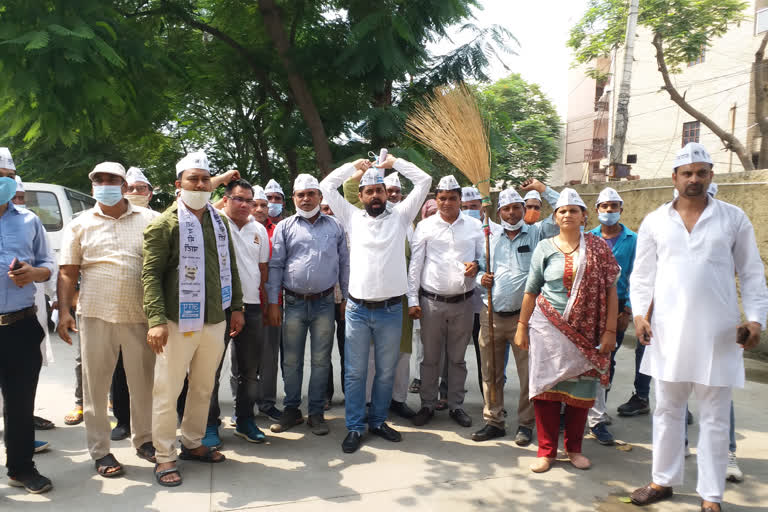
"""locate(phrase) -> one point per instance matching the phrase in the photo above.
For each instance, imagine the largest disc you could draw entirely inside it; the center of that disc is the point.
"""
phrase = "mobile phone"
(15, 264)
(742, 335)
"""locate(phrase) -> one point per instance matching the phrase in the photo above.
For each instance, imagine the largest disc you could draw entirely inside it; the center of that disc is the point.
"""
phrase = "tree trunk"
(381, 99)
(292, 161)
(761, 97)
(731, 142)
(276, 32)
(622, 108)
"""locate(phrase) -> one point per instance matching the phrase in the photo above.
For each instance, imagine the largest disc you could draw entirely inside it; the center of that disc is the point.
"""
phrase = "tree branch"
(731, 142)
(761, 98)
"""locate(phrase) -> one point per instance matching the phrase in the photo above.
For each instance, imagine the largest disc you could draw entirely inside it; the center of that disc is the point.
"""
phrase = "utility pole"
(733, 128)
(622, 107)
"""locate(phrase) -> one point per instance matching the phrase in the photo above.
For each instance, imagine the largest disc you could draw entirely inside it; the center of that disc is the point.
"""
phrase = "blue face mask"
(581, 229)
(475, 214)
(608, 218)
(274, 209)
(108, 195)
(7, 189)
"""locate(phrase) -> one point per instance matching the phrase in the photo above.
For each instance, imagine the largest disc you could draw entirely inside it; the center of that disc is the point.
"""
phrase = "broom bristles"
(450, 123)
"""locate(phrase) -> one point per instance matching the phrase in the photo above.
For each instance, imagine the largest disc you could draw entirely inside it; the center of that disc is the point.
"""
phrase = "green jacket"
(160, 275)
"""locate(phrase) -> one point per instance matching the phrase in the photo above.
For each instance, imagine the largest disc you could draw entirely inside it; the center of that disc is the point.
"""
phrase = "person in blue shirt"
(622, 241)
(25, 260)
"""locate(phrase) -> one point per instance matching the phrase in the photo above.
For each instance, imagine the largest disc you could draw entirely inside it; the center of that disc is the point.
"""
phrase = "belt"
(15, 316)
(378, 303)
(252, 307)
(507, 313)
(452, 299)
(309, 296)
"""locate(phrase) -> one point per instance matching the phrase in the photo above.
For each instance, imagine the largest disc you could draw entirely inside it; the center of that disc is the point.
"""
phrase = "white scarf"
(192, 267)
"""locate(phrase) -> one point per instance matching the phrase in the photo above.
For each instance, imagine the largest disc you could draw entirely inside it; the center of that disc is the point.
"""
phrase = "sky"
(542, 31)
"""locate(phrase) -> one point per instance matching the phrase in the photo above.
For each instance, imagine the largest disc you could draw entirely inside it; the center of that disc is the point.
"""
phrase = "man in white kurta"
(687, 254)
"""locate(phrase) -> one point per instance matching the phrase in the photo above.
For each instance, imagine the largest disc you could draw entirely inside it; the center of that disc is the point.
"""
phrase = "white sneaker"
(733, 473)
(687, 451)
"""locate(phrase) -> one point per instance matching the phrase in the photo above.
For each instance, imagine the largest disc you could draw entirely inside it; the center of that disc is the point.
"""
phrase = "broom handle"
(492, 387)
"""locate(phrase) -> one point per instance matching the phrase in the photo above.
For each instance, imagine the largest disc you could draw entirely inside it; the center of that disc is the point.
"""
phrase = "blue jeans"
(384, 327)
(642, 381)
(317, 317)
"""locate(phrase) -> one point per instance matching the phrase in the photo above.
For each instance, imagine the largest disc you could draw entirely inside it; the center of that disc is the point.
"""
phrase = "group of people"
(161, 295)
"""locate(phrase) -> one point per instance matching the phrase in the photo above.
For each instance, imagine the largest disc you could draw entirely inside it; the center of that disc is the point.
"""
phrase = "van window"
(79, 202)
(46, 206)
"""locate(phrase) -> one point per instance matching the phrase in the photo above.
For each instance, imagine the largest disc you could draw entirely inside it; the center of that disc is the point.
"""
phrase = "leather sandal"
(648, 495)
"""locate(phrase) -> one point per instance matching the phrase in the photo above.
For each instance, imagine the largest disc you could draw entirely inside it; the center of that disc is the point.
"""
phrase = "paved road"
(435, 468)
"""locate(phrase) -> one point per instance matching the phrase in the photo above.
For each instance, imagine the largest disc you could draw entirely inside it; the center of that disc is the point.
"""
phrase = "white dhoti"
(714, 404)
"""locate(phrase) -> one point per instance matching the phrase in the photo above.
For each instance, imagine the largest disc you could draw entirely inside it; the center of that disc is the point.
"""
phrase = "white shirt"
(438, 253)
(251, 248)
(377, 259)
(690, 279)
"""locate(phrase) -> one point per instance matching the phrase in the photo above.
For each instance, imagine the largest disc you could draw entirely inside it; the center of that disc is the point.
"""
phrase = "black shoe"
(689, 417)
(273, 412)
(290, 418)
(34, 483)
(386, 432)
(352, 442)
(120, 432)
(402, 409)
(422, 417)
(524, 436)
(488, 432)
(460, 417)
(634, 406)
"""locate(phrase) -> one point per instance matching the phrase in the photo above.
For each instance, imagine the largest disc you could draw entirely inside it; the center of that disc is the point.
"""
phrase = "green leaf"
(38, 40)
(106, 26)
(107, 52)
(33, 132)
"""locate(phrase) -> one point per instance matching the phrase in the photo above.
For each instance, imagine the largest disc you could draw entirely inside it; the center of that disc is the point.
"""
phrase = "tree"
(524, 129)
(681, 30)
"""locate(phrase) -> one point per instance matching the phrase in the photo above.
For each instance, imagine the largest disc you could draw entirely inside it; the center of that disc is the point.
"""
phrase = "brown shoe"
(648, 495)
(710, 508)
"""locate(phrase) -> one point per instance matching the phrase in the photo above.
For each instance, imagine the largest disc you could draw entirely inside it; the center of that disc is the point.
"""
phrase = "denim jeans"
(384, 326)
(317, 317)
(642, 381)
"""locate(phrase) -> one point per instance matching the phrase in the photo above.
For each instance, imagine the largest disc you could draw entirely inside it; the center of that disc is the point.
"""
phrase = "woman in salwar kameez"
(566, 321)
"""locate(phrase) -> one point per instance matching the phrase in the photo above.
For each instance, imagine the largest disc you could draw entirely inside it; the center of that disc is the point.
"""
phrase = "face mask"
(138, 200)
(532, 216)
(581, 229)
(512, 227)
(608, 218)
(475, 214)
(308, 215)
(195, 199)
(274, 209)
(108, 195)
(7, 190)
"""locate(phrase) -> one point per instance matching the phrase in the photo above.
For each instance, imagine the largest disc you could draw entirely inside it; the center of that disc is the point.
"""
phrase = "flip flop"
(42, 423)
(186, 454)
(75, 417)
(106, 463)
(146, 452)
(160, 474)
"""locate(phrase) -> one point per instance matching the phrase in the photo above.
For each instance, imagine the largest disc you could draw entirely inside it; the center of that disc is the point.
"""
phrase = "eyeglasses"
(106, 179)
(141, 189)
(241, 200)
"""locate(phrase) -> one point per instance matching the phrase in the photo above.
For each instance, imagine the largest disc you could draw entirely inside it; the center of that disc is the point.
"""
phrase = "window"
(691, 132)
(699, 59)
(46, 206)
(79, 202)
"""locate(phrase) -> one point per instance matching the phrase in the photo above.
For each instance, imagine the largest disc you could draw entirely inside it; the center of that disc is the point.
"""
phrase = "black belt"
(378, 303)
(507, 313)
(452, 299)
(15, 316)
(309, 296)
(252, 307)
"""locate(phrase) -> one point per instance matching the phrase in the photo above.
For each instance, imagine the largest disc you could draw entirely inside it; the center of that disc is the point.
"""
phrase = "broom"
(450, 123)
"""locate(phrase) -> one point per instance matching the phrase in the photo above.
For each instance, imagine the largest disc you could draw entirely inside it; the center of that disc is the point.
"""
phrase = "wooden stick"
(492, 387)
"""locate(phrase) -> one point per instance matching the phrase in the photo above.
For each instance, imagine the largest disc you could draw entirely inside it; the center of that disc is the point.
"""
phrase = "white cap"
(196, 160)
(711, 190)
(608, 194)
(470, 194)
(19, 184)
(532, 194)
(691, 153)
(448, 183)
(509, 196)
(373, 176)
(135, 175)
(273, 186)
(393, 180)
(258, 193)
(568, 197)
(323, 202)
(305, 182)
(108, 168)
(6, 161)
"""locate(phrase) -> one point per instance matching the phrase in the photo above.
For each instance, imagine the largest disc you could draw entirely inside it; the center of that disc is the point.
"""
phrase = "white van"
(56, 206)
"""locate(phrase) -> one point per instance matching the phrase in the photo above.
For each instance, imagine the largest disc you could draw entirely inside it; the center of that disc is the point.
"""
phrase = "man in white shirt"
(687, 254)
(444, 261)
(377, 283)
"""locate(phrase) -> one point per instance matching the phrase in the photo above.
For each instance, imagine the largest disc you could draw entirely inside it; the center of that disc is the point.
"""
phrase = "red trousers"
(548, 427)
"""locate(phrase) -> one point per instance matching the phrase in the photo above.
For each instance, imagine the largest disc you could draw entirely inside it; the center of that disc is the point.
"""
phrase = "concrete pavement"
(437, 467)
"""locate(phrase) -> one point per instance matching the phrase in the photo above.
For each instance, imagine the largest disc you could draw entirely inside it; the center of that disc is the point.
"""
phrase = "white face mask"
(512, 227)
(311, 213)
(195, 199)
(138, 200)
